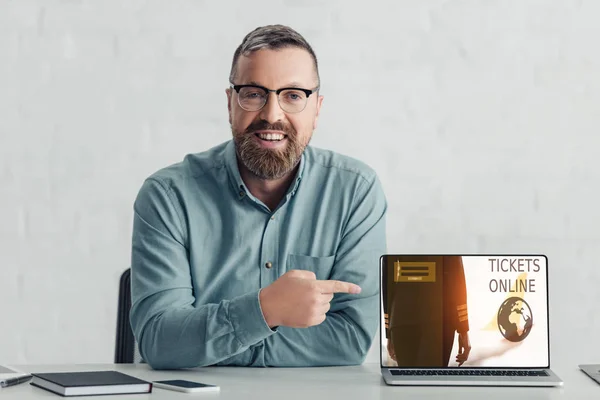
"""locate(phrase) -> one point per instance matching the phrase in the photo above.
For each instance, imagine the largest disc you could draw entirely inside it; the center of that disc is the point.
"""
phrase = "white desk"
(360, 382)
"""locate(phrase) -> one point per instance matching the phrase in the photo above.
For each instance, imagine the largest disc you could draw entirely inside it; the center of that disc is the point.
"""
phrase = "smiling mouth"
(271, 137)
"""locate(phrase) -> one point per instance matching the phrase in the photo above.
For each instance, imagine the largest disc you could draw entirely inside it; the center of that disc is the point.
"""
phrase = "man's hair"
(272, 37)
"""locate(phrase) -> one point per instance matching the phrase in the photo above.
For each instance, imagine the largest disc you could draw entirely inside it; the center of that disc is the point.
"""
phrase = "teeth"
(270, 136)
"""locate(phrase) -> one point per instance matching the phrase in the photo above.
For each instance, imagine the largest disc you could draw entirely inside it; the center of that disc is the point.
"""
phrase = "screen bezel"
(383, 264)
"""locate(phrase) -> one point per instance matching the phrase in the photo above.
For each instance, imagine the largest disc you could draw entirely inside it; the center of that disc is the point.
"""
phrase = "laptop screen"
(464, 311)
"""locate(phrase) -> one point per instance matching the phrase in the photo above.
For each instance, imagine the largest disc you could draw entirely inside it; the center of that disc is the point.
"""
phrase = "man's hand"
(464, 348)
(298, 300)
(390, 349)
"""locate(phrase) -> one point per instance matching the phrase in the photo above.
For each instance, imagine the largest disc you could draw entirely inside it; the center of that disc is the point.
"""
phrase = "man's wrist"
(265, 308)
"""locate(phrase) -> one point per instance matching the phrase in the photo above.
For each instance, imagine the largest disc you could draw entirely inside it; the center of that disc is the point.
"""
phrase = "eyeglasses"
(254, 97)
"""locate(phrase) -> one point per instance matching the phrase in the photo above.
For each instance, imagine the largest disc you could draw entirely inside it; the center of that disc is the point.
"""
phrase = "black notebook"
(90, 383)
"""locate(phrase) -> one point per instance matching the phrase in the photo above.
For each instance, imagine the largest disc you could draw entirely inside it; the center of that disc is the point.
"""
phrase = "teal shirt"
(200, 249)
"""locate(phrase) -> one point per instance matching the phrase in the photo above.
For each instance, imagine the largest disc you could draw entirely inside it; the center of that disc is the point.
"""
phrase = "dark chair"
(126, 350)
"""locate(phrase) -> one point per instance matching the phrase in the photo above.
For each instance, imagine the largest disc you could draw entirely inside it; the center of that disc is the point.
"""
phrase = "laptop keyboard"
(467, 372)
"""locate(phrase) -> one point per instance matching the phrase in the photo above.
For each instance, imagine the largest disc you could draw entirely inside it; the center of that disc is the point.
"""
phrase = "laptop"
(591, 370)
(464, 319)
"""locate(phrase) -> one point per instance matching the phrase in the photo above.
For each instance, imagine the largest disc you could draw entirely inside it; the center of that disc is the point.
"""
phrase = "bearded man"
(262, 251)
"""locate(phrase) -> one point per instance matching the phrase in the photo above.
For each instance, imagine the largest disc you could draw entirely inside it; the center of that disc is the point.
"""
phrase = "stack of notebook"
(90, 383)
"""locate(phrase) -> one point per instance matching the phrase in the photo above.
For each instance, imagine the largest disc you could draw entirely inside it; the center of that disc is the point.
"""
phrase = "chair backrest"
(126, 349)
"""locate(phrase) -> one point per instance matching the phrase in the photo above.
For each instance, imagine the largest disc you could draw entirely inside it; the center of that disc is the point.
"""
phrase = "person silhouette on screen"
(422, 317)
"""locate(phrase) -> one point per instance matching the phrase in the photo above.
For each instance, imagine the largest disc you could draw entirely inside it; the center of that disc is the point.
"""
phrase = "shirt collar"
(296, 182)
(237, 184)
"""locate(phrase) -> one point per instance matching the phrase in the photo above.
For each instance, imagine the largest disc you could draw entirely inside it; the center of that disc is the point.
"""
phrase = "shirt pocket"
(321, 266)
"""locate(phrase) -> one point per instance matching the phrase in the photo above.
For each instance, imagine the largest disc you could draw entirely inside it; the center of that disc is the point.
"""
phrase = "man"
(425, 305)
(261, 251)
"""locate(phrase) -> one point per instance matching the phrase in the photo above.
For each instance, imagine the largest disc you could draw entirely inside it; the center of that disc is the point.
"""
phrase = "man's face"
(270, 141)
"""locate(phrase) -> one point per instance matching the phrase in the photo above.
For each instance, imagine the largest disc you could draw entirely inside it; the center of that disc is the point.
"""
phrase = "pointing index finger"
(334, 286)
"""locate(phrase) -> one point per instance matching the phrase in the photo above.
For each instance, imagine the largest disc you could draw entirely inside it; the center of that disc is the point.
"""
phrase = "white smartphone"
(181, 385)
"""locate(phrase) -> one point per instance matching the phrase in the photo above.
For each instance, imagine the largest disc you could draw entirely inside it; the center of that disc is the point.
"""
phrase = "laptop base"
(592, 371)
(550, 380)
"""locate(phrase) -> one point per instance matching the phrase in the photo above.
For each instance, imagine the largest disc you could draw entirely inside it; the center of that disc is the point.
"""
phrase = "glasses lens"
(252, 98)
(292, 101)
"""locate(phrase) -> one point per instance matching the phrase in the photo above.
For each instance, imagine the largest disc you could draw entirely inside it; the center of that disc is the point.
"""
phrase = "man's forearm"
(189, 337)
(344, 338)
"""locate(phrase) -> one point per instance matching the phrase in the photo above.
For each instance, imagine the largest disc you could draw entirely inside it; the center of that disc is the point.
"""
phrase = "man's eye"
(294, 96)
(251, 95)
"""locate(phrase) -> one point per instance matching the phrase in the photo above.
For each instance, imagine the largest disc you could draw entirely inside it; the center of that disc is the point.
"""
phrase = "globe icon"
(515, 319)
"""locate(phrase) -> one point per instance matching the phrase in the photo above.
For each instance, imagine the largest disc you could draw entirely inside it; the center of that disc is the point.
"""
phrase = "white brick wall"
(481, 117)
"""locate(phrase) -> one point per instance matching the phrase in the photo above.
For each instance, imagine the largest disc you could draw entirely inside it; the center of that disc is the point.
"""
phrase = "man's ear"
(319, 103)
(228, 92)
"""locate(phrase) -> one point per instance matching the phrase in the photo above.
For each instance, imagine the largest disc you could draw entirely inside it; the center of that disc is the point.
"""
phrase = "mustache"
(264, 125)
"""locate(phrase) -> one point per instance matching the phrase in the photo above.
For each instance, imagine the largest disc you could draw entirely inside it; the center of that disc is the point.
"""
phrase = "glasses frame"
(308, 92)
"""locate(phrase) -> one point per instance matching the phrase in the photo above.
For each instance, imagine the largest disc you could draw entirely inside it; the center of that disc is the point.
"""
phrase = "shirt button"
(268, 264)
(241, 193)
(272, 217)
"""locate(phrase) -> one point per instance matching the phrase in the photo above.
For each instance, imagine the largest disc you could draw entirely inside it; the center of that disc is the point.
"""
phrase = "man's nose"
(272, 112)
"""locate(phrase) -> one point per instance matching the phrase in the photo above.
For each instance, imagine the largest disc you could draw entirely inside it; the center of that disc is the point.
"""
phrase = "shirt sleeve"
(458, 293)
(172, 332)
(385, 295)
(461, 307)
(346, 335)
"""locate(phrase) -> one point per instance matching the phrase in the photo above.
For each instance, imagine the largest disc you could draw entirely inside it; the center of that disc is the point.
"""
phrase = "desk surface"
(359, 382)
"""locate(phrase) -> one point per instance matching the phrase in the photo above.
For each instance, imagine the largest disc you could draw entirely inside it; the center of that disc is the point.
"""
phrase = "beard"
(268, 163)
